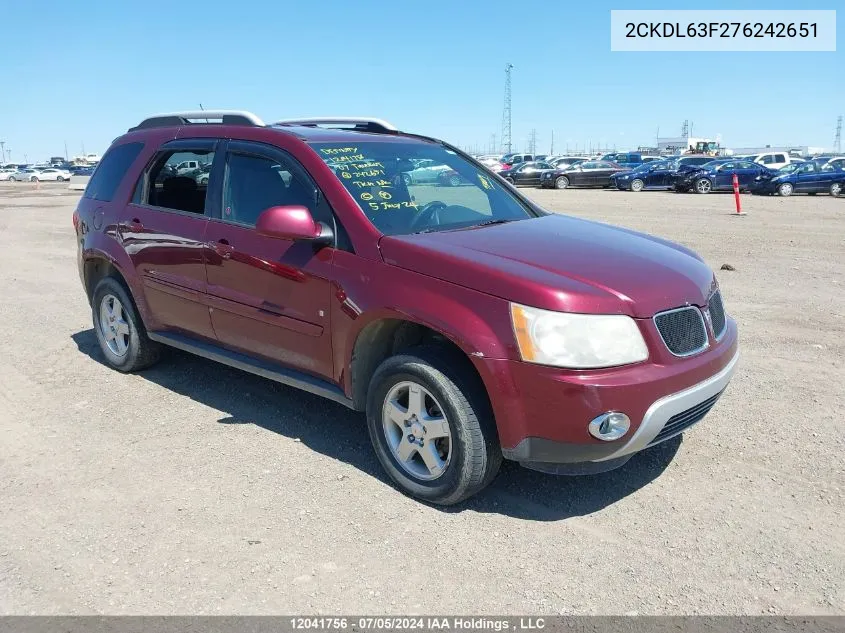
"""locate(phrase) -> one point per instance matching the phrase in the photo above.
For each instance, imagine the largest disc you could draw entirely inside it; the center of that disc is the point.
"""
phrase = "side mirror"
(292, 222)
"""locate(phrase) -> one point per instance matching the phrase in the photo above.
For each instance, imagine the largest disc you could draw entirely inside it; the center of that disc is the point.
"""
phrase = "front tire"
(703, 185)
(786, 189)
(836, 189)
(637, 185)
(510, 180)
(33, 179)
(120, 331)
(431, 426)
(561, 182)
(12, 179)
(59, 179)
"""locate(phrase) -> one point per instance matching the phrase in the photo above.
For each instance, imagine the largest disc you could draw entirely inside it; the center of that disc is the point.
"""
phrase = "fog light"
(610, 426)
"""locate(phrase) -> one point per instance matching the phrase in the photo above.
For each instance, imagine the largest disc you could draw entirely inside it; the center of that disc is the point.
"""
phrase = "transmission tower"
(837, 140)
(532, 142)
(685, 129)
(506, 112)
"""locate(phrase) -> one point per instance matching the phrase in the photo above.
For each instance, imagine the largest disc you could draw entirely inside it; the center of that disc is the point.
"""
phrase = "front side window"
(376, 175)
(176, 181)
(253, 184)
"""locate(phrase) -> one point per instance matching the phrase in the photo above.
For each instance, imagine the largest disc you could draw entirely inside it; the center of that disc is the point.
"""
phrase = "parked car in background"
(836, 161)
(59, 175)
(808, 177)
(652, 175)
(717, 175)
(24, 174)
(526, 174)
(425, 171)
(509, 160)
(587, 174)
(451, 178)
(5, 173)
(625, 159)
(772, 160)
(495, 329)
(565, 161)
(490, 159)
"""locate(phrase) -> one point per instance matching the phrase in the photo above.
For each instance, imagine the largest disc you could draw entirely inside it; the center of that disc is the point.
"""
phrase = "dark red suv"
(468, 323)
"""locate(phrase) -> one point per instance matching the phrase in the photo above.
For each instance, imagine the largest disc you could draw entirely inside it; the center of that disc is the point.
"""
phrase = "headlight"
(577, 341)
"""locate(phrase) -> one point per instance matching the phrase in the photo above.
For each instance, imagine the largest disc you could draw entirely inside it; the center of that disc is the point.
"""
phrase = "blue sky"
(434, 67)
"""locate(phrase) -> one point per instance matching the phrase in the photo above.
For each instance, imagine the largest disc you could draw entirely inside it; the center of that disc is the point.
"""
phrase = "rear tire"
(510, 180)
(447, 383)
(121, 333)
(836, 189)
(561, 182)
(12, 179)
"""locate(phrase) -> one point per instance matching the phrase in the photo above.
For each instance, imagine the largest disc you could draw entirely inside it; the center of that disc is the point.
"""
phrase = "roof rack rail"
(365, 124)
(224, 117)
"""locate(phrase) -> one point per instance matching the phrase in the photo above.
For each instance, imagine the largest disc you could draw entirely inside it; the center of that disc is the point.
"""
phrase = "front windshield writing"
(412, 187)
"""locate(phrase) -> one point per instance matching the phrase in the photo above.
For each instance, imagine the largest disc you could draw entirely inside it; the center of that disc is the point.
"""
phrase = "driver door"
(268, 296)
(724, 176)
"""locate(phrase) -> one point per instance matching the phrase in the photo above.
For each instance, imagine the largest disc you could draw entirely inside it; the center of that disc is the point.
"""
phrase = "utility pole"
(506, 112)
(552, 145)
(2, 151)
(65, 151)
(493, 143)
(837, 140)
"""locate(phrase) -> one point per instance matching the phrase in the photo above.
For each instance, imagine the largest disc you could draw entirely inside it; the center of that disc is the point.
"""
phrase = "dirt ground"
(194, 488)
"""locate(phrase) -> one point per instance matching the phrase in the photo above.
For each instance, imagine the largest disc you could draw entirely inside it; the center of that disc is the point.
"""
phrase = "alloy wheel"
(113, 325)
(417, 431)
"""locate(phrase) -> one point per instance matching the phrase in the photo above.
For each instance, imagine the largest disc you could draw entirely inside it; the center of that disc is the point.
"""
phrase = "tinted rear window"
(108, 174)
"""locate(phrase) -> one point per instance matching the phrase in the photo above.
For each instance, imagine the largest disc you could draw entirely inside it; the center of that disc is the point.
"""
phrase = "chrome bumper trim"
(658, 414)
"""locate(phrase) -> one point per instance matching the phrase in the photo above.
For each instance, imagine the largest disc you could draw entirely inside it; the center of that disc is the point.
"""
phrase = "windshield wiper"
(490, 223)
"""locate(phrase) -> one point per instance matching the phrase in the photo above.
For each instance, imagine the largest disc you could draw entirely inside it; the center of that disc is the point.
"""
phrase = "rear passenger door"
(269, 296)
(163, 232)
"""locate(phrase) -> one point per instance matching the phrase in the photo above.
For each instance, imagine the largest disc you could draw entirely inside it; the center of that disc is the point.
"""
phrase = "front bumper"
(543, 413)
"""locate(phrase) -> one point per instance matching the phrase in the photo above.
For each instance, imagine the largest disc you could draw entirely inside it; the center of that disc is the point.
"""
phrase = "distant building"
(793, 150)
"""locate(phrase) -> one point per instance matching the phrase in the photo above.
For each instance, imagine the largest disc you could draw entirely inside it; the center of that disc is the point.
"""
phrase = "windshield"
(419, 187)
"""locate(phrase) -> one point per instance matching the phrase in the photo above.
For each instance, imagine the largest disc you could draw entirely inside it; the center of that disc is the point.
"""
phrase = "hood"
(560, 263)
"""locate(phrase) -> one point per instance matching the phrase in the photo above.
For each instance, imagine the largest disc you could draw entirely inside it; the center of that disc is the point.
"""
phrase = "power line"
(506, 111)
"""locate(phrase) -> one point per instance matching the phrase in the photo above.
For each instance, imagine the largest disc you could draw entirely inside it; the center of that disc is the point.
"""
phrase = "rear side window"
(111, 170)
(178, 180)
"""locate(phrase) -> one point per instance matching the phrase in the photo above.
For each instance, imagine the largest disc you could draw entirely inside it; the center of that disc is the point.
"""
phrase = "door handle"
(222, 248)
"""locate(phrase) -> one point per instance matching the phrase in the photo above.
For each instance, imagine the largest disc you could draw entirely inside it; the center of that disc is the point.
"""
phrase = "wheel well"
(388, 337)
(95, 270)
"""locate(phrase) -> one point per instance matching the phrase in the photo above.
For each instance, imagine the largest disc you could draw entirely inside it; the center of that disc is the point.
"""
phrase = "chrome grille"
(717, 314)
(682, 421)
(682, 330)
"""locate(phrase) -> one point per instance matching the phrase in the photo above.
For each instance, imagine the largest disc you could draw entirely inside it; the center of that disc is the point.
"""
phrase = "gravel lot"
(194, 488)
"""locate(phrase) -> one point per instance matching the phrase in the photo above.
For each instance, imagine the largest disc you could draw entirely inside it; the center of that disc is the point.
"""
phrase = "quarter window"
(107, 176)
